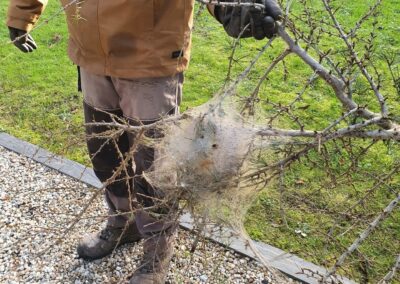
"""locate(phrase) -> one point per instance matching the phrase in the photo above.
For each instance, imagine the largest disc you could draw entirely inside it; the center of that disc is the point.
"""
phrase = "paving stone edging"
(287, 263)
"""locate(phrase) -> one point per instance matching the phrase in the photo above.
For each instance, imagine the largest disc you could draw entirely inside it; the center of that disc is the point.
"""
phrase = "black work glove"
(25, 43)
(260, 23)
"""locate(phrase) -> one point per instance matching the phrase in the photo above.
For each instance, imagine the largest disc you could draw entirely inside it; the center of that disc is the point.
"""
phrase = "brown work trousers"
(139, 101)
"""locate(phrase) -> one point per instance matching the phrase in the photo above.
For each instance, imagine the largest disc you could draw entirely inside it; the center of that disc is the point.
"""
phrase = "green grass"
(39, 103)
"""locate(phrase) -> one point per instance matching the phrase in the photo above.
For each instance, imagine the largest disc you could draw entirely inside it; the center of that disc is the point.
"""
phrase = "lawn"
(39, 103)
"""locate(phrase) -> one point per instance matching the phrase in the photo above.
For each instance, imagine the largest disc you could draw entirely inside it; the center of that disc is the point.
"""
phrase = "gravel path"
(37, 204)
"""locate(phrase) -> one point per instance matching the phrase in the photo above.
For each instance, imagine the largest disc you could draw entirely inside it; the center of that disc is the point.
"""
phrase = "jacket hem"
(94, 67)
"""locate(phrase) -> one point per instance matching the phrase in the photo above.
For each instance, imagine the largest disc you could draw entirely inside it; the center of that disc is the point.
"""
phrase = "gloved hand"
(25, 43)
(261, 22)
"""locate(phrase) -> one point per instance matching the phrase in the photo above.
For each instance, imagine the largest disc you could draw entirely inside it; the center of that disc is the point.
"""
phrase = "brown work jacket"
(120, 38)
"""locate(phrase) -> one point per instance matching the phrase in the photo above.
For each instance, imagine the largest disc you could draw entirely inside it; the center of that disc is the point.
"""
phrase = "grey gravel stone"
(37, 204)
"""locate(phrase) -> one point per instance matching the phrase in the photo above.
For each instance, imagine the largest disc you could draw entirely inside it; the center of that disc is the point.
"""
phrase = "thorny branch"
(233, 3)
(354, 56)
(337, 85)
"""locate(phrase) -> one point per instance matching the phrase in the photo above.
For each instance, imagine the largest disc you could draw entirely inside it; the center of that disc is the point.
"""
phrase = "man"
(131, 55)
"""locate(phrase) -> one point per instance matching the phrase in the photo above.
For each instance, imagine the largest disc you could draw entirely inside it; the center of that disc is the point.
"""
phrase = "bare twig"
(390, 275)
(364, 235)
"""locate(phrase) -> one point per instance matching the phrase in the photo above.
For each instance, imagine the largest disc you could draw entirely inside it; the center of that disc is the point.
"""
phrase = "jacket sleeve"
(23, 14)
